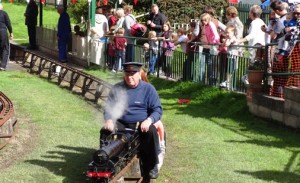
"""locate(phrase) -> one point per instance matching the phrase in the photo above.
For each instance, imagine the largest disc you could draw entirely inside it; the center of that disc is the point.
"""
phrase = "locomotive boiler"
(116, 152)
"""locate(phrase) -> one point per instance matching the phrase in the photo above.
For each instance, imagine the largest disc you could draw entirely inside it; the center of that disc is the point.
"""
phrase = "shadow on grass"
(70, 163)
(217, 106)
(274, 176)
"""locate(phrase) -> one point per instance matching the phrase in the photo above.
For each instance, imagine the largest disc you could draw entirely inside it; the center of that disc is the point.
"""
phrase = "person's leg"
(152, 63)
(123, 57)
(161, 133)
(32, 36)
(4, 48)
(117, 60)
(62, 50)
(149, 149)
(129, 53)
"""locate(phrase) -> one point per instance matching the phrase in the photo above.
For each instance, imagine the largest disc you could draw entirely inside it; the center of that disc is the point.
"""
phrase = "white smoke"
(118, 105)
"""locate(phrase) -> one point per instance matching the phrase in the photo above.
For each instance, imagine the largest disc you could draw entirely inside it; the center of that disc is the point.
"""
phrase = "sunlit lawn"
(16, 12)
(212, 139)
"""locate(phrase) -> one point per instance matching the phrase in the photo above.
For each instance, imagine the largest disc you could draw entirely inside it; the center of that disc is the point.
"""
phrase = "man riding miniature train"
(130, 102)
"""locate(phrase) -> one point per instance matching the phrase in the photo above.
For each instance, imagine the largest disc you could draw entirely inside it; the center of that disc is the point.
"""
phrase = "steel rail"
(8, 121)
(45, 67)
(125, 170)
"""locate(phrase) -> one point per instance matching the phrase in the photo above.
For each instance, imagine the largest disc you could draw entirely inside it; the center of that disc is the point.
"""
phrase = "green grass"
(67, 130)
(212, 139)
(16, 12)
(216, 139)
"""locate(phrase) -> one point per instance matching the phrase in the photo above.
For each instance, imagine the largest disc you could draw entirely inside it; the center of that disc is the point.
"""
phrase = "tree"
(181, 11)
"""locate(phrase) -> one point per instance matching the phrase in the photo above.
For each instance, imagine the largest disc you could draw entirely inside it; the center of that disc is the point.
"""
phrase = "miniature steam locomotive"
(117, 151)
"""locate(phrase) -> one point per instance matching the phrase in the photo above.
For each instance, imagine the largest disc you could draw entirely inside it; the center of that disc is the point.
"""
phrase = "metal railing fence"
(198, 66)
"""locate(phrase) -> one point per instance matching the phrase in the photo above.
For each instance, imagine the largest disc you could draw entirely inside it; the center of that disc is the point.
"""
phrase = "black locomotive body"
(116, 152)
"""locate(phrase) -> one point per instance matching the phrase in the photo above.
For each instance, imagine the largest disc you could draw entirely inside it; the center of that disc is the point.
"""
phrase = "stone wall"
(285, 111)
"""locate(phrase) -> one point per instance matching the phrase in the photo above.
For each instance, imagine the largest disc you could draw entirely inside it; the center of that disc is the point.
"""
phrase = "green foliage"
(184, 10)
(78, 10)
(258, 65)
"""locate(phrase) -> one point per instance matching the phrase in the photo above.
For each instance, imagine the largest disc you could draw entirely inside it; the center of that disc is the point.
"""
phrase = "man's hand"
(152, 24)
(263, 28)
(145, 125)
(109, 125)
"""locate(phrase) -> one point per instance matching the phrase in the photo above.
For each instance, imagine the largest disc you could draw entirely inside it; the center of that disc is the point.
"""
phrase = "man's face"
(155, 9)
(132, 79)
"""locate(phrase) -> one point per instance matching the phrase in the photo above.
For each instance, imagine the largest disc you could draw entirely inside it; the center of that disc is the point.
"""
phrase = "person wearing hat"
(131, 103)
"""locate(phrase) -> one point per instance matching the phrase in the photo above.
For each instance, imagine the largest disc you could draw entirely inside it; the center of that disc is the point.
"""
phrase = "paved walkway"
(13, 66)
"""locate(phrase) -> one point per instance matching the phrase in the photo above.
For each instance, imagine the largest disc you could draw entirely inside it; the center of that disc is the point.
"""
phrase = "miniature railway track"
(75, 80)
(86, 85)
(8, 121)
(126, 169)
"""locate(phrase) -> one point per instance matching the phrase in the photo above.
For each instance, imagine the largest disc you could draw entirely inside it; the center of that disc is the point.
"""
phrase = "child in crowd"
(222, 46)
(78, 32)
(171, 44)
(223, 56)
(289, 30)
(112, 18)
(209, 29)
(120, 48)
(292, 30)
(273, 24)
(166, 47)
(146, 53)
(232, 52)
(210, 36)
(153, 51)
(111, 53)
(182, 39)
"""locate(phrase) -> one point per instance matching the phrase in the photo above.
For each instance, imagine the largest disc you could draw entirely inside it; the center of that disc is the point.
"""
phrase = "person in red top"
(112, 19)
(120, 48)
(191, 49)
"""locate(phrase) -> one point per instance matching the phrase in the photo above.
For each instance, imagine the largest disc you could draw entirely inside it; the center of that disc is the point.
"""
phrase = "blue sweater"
(131, 105)
(63, 27)
(5, 21)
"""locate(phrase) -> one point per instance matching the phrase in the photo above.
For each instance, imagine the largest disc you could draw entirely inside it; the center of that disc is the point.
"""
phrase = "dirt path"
(24, 142)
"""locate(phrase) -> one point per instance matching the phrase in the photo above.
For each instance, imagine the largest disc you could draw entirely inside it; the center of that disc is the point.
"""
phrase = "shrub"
(78, 10)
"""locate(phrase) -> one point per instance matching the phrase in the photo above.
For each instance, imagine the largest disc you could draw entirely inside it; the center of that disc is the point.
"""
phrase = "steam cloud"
(117, 107)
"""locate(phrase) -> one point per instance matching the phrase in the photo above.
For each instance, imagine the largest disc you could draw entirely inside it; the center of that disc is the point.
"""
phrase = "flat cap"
(132, 66)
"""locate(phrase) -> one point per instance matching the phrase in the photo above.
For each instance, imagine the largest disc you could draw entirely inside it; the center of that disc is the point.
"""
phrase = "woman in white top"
(233, 19)
(128, 22)
(121, 16)
(255, 34)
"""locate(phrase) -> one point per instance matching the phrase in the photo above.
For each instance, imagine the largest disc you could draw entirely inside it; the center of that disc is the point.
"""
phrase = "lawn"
(16, 12)
(212, 139)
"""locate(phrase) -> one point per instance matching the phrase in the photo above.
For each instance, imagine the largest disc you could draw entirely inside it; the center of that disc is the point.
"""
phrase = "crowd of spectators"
(222, 38)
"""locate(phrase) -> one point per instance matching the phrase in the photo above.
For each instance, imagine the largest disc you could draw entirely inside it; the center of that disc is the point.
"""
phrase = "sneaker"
(224, 84)
(113, 70)
(153, 174)
(2, 69)
(64, 61)
(245, 79)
